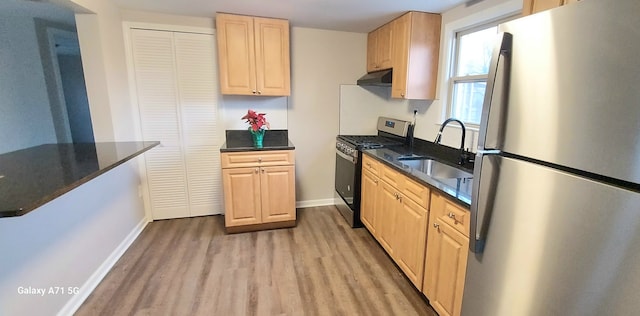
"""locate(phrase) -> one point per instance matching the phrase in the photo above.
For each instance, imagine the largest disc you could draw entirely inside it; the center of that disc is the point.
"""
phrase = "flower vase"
(257, 136)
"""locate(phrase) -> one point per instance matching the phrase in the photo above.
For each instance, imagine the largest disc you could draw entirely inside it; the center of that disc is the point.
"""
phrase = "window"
(473, 49)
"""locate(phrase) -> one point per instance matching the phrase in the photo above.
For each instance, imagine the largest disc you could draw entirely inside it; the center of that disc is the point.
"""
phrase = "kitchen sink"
(435, 169)
(412, 157)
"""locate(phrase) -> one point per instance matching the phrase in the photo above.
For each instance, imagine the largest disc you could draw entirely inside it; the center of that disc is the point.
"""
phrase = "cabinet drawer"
(389, 175)
(257, 158)
(456, 216)
(370, 164)
(416, 191)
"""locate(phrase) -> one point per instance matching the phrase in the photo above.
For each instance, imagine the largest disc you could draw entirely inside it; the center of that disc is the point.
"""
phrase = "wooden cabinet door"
(535, 6)
(372, 51)
(411, 232)
(384, 48)
(446, 265)
(369, 192)
(388, 204)
(277, 186)
(236, 54)
(416, 48)
(242, 196)
(400, 47)
(272, 57)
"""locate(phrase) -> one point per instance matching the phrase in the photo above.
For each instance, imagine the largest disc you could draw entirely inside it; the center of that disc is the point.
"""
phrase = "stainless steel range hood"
(378, 78)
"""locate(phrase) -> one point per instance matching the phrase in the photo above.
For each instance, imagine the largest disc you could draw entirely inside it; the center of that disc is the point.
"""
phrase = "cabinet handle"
(259, 92)
(453, 217)
(254, 91)
(436, 225)
(259, 159)
(375, 181)
(400, 197)
(262, 170)
(256, 170)
(368, 164)
(402, 95)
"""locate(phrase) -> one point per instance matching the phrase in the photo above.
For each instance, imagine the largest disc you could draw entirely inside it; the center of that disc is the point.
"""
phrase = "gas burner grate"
(370, 141)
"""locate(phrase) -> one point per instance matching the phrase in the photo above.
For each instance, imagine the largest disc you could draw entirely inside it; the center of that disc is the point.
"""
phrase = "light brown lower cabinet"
(446, 259)
(398, 222)
(411, 234)
(259, 190)
(368, 210)
(430, 244)
(387, 208)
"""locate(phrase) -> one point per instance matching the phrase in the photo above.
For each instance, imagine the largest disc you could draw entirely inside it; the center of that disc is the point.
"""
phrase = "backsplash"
(360, 108)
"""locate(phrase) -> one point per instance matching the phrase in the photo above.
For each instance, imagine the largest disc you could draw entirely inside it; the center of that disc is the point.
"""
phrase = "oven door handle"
(347, 157)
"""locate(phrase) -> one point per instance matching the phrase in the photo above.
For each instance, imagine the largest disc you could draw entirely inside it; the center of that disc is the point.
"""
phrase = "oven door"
(345, 177)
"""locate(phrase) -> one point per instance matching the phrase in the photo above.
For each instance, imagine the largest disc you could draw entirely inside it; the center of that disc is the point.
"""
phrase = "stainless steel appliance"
(555, 222)
(391, 132)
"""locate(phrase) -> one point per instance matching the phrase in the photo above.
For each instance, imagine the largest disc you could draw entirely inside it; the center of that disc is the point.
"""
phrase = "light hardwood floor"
(320, 267)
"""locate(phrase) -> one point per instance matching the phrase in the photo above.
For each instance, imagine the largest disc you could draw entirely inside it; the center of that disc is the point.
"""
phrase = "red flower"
(256, 120)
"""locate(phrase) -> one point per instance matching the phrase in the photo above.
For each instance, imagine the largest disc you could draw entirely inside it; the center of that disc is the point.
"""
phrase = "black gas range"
(391, 132)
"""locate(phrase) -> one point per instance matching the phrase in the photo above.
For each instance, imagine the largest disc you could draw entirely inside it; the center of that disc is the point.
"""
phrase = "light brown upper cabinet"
(379, 48)
(253, 55)
(535, 6)
(416, 46)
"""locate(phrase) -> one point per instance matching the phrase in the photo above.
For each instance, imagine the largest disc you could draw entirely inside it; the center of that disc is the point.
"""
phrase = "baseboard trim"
(313, 203)
(87, 288)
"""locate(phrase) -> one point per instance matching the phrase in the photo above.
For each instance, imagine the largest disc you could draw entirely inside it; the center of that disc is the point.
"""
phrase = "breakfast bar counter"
(31, 177)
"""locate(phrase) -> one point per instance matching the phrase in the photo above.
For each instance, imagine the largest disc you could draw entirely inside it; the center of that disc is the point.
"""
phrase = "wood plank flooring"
(191, 267)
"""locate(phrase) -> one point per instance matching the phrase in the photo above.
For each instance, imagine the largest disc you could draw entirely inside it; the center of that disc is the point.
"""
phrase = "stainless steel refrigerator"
(555, 215)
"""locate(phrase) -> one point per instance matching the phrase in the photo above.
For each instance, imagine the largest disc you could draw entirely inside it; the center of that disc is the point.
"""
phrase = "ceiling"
(342, 15)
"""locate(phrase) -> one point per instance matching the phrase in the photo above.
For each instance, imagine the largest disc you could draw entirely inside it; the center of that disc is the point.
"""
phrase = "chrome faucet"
(463, 155)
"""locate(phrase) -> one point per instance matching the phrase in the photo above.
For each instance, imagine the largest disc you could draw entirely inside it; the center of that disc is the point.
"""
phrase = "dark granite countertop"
(457, 188)
(240, 140)
(34, 176)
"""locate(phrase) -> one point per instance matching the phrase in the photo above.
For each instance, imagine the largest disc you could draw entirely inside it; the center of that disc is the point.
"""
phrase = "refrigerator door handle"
(489, 142)
(485, 174)
(491, 120)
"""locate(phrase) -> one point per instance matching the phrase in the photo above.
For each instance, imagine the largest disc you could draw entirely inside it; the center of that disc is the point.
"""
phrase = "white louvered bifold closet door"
(176, 89)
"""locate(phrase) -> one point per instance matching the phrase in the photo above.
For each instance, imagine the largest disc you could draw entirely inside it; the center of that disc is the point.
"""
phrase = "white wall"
(103, 55)
(64, 242)
(25, 114)
(320, 62)
(234, 107)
